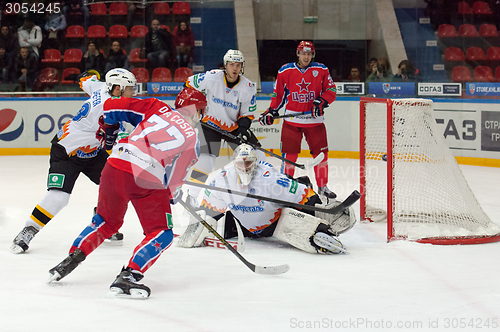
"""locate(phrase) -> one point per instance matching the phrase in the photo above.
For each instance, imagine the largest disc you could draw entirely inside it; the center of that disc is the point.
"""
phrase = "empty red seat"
(67, 72)
(181, 8)
(135, 55)
(447, 30)
(475, 54)
(96, 31)
(464, 8)
(138, 31)
(141, 74)
(51, 56)
(182, 74)
(161, 8)
(497, 74)
(73, 55)
(481, 8)
(49, 76)
(161, 75)
(118, 31)
(98, 9)
(460, 74)
(166, 27)
(75, 31)
(468, 30)
(118, 8)
(493, 53)
(454, 54)
(483, 74)
(488, 30)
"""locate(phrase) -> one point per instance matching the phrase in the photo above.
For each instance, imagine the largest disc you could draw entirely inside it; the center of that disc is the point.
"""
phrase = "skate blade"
(113, 243)
(15, 249)
(54, 278)
(136, 294)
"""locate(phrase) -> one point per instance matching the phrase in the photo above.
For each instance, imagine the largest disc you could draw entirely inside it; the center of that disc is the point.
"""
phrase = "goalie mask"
(245, 163)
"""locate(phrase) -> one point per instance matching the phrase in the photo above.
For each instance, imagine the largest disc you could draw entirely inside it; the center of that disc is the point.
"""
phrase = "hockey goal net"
(410, 179)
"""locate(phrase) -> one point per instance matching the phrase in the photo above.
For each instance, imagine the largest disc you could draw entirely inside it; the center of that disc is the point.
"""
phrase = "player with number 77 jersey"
(144, 168)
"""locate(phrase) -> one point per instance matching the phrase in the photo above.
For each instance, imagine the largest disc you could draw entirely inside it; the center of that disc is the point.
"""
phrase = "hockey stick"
(286, 116)
(350, 200)
(307, 165)
(269, 270)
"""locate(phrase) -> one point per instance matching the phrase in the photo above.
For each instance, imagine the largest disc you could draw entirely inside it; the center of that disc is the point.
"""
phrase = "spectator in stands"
(9, 42)
(355, 75)
(116, 57)
(54, 28)
(93, 59)
(369, 66)
(381, 72)
(158, 45)
(26, 68)
(30, 36)
(184, 45)
(406, 72)
(136, 8)
(76, 7)
(5, 65)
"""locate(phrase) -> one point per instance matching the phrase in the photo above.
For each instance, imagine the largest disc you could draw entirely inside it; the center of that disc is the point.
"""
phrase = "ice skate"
(23, 239)
(66, 266)
(126, 285)
(115, 240)
(327, 193)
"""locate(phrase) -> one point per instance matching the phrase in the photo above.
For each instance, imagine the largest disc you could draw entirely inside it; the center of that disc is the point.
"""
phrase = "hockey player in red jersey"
(304, 86)
(146, 168)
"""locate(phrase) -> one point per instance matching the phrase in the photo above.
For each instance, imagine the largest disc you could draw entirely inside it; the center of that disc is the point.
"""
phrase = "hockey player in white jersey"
(79, 147)
(231, 107)
(261, 218)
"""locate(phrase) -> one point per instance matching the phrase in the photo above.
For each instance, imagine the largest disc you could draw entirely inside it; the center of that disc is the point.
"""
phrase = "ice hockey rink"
(378, 286)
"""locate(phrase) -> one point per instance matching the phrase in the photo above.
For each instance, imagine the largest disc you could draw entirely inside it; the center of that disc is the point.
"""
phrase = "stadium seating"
(161, 75)
(166, 27)
(118, 8)
(118, 31)
(481, 8)
(49, 76)
(51, 56)
(141, 74)
(468, 30)
(493, 53)
(464, 8)
(497, 74)
(181, 8)
(66, 73)
(96, 31)
(161, 8)
(182, 73)
(483, 74)
(447, 30)
(488, 30)
(98, 9)
(138, 31)
(475, 54)
(135, 56)
(75, 31)
(454, 54)
(461, 74)
(73, 55)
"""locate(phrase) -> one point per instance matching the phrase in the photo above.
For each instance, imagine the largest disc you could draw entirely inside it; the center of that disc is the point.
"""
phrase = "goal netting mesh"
(411, 179)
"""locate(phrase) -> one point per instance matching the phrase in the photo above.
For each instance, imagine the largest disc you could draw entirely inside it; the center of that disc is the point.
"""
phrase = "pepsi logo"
(11, 125)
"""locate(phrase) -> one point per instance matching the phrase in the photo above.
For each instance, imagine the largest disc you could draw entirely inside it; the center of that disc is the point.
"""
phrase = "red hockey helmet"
(306, 46)
(188, 97)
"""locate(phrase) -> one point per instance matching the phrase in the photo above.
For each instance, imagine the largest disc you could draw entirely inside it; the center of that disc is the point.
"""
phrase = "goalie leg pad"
(339, 222)
(296, 228)
(195, 232)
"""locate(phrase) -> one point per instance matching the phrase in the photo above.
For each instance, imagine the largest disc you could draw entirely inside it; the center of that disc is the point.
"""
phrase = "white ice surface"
(400, 286)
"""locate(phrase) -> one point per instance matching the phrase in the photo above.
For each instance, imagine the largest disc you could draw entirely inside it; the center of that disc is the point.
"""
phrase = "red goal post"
(409, 177)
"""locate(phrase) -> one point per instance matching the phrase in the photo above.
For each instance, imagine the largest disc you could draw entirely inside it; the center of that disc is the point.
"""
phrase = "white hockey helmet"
(245, 162)
(121, 77)
(234, 56)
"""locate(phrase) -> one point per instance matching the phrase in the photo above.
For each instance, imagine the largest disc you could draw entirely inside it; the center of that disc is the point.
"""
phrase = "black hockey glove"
(319, 105)
(107, 133)
(88, 73)
(267, 118)
(243, 130)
